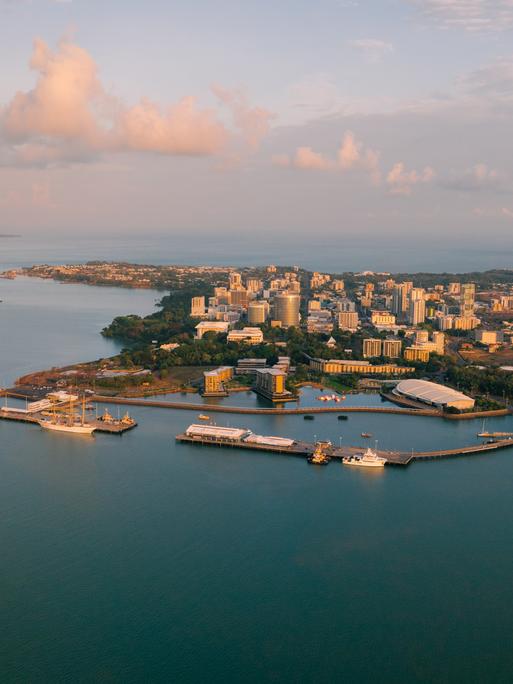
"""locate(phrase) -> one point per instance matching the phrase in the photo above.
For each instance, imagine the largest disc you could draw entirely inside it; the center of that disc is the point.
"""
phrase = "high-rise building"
(286, 309)
(467, 299)
(197, 307)
(400, 298)
(417, 306)
(372, 347)
(338, 285)
(239, 297)
(454, 289)
(257, 312)
(254, 284)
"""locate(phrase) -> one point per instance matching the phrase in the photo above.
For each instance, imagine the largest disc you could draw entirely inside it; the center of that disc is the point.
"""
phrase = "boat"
(494, 434)
(202, 416)
(319, 456)
(341, 417)
(369, 459)
(367, 435)
(308, 417)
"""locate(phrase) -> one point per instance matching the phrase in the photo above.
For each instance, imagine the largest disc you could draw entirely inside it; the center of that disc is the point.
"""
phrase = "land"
(164, 354)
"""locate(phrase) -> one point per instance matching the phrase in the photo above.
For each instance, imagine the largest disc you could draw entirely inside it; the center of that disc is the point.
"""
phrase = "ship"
(202, 416)
(369, 459)
(70, 422)
(308, 417)
(367, 435)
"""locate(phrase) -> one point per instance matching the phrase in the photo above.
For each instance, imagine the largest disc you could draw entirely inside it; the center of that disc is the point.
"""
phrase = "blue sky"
(353, 117)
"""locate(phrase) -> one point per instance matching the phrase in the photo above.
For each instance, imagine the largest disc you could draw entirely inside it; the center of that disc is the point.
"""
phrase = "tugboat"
(369, 459)
(319, 456)
(309, 417)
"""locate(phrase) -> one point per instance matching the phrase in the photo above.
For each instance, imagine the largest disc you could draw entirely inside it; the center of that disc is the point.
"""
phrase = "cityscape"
(256, 342)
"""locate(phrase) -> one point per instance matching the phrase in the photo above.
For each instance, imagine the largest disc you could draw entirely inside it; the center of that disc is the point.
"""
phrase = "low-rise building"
(345, 366)
(218, 327)
(416, 353)
(382, 318)
(247, 335)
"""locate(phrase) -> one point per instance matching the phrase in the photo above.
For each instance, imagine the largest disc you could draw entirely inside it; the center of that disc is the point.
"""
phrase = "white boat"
(369, 459)
(63, 427)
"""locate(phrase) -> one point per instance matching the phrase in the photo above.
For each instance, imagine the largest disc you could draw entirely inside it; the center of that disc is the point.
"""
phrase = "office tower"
(257, 312)
(253, 284)
(239, 297)
(467, 299)
(286, 309)
(400, 298)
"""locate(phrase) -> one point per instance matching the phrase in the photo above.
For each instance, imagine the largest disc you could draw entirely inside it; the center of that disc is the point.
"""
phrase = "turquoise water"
(133, 559)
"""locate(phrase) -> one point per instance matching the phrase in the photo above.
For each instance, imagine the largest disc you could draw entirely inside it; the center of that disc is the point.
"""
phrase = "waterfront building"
(372, 347)
(348, 320)
(286, 309)
(433, 394)
(198, 308)
(392, 348)
(247, 335)
(257, 312)
(270, 383)
(345, 366)
(214, 381)
(218, 327)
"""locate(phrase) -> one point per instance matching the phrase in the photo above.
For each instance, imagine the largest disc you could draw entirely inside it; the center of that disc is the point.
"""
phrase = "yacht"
(369, 459)
(78, 429)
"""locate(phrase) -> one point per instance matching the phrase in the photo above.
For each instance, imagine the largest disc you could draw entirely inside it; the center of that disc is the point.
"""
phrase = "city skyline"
(343, 119)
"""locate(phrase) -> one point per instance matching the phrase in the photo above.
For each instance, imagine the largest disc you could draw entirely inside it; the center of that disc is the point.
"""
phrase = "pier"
(305, 449)
(114, 428)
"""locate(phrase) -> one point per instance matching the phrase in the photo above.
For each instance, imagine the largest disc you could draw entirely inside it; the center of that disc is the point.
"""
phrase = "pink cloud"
(401, 181)
(69, 116)
(306, 158)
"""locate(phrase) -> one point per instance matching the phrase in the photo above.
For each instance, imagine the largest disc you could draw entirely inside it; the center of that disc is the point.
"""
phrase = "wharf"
(114, 428)
(305, 449)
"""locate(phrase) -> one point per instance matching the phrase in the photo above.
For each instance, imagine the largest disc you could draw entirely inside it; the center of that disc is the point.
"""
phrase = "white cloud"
(373, 49)
(478, 177)
(475, 16)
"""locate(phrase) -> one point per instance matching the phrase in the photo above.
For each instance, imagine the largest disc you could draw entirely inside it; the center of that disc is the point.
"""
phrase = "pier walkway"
(218, 408)
(305, 449)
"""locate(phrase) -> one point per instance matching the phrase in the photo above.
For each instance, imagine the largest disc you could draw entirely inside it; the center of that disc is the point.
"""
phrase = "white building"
(218, 327)
(247, 335)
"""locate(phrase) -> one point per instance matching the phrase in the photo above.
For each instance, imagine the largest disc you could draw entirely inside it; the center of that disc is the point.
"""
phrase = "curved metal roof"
(430, 391)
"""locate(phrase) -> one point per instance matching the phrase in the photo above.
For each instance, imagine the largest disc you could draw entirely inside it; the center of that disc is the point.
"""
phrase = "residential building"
(343, 366)
(270, 383)
(467, 300)
(382, 318)
(416, 353)
(348, 320)
(392, 348)
(249, 366)
(198, 308)
(214, 381)
(489, 336)
(372, 347)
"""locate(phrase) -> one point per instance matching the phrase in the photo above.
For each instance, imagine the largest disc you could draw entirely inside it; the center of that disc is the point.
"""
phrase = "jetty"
(303, 449)
(114, 427)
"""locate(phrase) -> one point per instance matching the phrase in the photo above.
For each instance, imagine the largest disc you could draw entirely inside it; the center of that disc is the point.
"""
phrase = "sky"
(335, 119)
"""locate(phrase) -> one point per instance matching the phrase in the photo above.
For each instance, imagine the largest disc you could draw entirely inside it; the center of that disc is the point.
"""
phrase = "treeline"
(492, 381)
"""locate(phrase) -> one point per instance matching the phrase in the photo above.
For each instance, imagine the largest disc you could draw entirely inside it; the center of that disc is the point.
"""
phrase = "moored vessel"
(369, 459)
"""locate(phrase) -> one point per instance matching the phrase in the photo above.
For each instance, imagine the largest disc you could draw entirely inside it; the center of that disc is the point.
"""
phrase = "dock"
(114, 428)
(305, 449)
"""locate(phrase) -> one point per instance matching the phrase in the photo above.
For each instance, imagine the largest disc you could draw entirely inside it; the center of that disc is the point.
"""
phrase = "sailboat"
(70, 423)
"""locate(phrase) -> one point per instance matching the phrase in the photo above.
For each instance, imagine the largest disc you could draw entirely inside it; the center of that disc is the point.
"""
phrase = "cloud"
(401, 181)
(373, 49)
(69, 116)
(475, 16)
(351, 155)
(478, 177)
(253, 122)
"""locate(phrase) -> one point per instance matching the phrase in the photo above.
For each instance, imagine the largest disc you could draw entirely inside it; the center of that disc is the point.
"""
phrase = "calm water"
(135, 559)
(336, 254)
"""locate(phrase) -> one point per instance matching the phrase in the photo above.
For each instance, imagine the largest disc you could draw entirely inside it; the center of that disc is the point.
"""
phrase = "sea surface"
(333, 254)
(135, 559)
